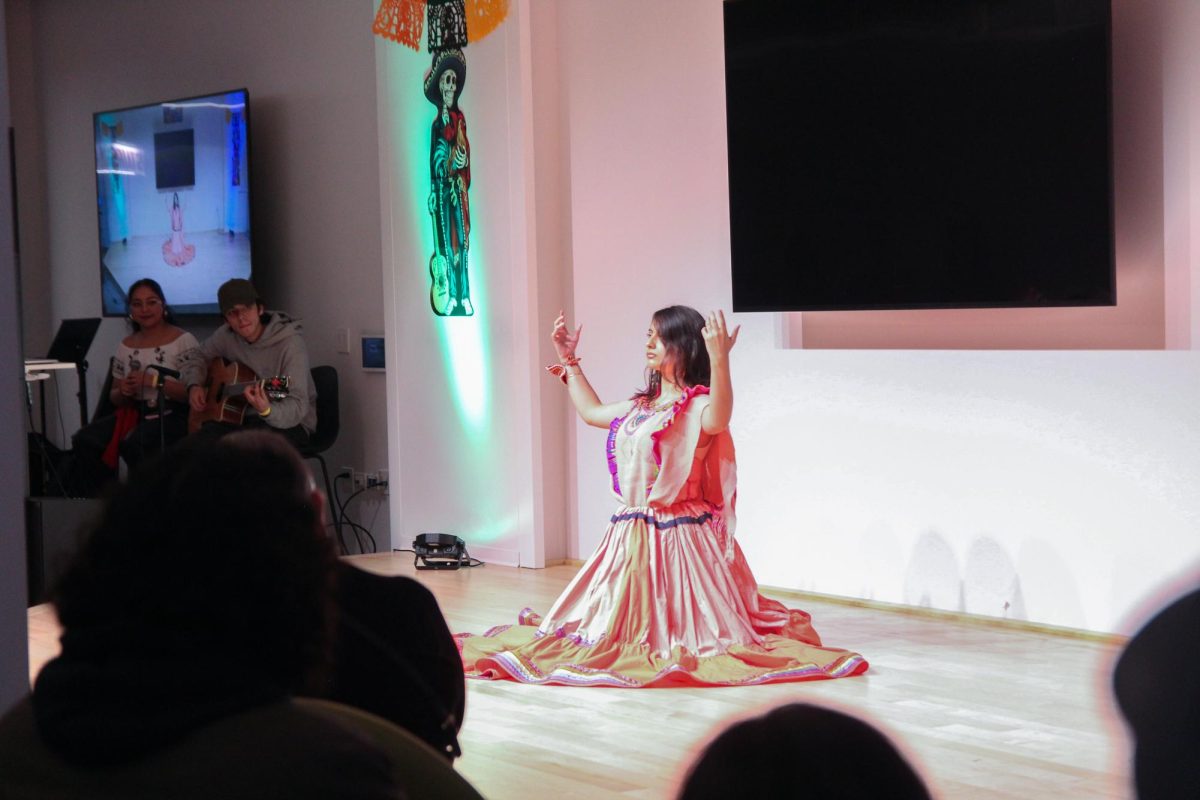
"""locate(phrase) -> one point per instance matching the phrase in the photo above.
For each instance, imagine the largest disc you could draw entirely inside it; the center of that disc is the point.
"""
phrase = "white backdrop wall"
(1055, 487)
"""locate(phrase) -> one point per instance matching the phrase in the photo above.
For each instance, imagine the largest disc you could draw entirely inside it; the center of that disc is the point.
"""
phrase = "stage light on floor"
(440, 551)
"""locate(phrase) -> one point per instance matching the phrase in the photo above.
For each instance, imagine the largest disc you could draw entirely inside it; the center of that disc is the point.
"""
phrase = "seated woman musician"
(145, 373)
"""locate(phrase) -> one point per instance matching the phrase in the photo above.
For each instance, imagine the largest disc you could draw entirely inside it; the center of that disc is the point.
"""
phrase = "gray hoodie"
(280, 351)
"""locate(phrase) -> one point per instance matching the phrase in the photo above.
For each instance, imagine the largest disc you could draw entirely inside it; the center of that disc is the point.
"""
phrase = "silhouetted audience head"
(205, 590)
(802, 750)
(1157, 685)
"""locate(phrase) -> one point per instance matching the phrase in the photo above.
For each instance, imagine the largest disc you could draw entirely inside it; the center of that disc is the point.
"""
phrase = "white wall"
(1060, 487)
(309, 68)
(1181, 172)
(551, 217)
(1060, 482)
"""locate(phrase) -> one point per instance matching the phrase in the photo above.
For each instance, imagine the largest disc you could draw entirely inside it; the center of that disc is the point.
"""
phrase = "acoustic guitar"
(224, 391)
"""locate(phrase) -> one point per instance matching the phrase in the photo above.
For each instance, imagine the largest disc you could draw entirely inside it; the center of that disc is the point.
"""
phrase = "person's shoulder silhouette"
(1157, 687)
(394, 656)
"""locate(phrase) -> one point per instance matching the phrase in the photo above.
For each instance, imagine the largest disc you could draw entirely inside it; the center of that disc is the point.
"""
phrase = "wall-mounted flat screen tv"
(173, 199)
(888, 154)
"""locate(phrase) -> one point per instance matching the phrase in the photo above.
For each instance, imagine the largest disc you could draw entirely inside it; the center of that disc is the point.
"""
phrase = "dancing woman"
(668, 597)
(177, 252)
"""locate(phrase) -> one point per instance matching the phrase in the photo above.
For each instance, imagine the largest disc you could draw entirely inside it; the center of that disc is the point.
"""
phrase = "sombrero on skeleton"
(442, 61)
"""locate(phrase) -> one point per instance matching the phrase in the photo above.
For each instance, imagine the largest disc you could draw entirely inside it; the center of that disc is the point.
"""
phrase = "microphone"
(166, 372)
(134, 366)
(161, 384)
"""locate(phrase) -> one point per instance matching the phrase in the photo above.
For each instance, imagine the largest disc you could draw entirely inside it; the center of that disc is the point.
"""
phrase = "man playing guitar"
(270, 344)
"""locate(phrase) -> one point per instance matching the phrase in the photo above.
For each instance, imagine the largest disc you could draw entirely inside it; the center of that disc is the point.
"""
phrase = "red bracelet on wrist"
(560, 370)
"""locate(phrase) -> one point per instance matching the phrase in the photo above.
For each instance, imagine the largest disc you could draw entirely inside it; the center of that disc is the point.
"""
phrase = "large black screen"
(919, 153)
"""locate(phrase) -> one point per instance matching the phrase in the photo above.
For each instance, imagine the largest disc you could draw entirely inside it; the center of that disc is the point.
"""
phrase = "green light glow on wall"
(464, 347)
(495, 529)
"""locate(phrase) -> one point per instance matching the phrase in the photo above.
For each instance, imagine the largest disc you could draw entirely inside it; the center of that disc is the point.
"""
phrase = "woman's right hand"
(130, 383)
(565, 341)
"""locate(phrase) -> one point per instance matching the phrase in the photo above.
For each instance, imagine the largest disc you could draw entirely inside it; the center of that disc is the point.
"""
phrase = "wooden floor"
(985, 711)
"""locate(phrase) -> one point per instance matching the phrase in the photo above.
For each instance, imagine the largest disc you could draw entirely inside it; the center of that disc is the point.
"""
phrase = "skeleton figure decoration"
(449, 182)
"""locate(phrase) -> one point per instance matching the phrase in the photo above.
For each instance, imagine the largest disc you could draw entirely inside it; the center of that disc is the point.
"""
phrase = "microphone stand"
(161, 388)
(81, 369)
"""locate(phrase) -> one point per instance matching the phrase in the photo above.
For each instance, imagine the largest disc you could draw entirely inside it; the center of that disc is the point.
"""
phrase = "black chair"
(325, 379)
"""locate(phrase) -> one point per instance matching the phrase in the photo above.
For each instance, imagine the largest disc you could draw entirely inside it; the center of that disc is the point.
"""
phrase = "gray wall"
(310, 68)
(14, 663)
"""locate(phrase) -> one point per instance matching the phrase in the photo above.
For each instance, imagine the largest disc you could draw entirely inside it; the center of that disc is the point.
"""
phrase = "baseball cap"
(236, 292)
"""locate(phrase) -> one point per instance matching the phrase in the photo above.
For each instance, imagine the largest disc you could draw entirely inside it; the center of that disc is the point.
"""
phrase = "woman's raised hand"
(717, 338)
(565, 341)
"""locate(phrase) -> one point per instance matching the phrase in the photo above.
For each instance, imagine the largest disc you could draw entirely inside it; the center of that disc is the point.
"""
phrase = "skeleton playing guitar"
(227, 381)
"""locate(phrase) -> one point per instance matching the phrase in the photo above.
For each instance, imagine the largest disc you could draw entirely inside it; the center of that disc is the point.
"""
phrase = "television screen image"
(919, 154)
(173, 199)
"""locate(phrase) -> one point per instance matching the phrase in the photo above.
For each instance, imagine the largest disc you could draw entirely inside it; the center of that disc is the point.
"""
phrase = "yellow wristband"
(266, 413)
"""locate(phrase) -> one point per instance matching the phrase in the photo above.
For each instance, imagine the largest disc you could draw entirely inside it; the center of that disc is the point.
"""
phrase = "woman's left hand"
(717, 338)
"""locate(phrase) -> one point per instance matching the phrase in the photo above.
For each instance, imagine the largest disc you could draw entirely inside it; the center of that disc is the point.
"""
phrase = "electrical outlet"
(378, 481)
(365, 480)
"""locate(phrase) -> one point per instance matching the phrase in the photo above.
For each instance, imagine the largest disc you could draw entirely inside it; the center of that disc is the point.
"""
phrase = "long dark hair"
(153, 286)
(679, 330)
(830, 751)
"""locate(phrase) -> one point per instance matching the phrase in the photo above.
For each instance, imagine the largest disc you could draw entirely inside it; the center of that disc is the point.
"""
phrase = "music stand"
(71, 344)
